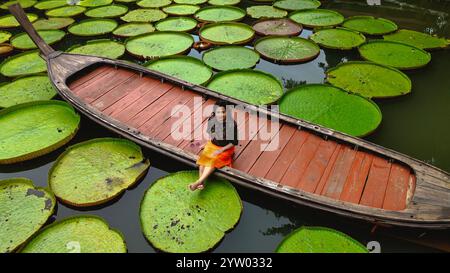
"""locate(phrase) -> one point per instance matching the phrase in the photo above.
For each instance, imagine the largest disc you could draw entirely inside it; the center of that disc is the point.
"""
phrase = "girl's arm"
(223, 149)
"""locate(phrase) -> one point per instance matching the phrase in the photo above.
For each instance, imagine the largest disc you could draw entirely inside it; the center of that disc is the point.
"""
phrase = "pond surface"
(417, 125)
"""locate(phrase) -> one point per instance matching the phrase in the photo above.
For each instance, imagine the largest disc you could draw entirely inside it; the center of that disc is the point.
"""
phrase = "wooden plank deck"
(301, 160)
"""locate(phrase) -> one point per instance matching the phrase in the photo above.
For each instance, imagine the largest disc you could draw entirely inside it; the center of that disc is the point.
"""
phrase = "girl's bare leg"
(206, 173)
(200, 171)
(193, 186)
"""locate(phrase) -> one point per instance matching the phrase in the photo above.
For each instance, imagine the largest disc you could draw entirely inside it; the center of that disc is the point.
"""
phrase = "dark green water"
(417, 125)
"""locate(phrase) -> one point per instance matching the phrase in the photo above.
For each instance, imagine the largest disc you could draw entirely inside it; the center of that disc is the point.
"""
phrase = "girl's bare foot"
(200, 186)
(193, 186)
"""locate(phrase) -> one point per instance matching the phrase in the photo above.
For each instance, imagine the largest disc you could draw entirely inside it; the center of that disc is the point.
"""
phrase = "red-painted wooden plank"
(326, 174)
(357, 177)
(397, 188)
(376, 184)
(86, 78)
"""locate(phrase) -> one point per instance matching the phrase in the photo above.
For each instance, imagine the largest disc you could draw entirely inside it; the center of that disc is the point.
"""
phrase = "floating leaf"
(26, 63)
(252, 86)
(189, 69)
(277, 27)
(175, 219)
(332, 107)
(144, 15)
(101, 48)
(220, 14)
(23, 3)
(4, 36)
(94, 3)
(319, 240)
(176, 24)
(317, 18)
(95, 171)
(190, 2)
(154, 3)
(227, 33)
(9, 21)
(25, 209)
(133, 29)
(23, 41)
(50, 4)
(417, 39)
(224, 2)
(369, 79)
(93, 27)
(287, 49)
(296, 4)
(230, 57)
(53, 23)
(109, 11)
(338, 38)
(181, 9)
(36, 128)
(77, 234)
(370, 25)
(264, 11)
(5, 49)
(69, 11)
(26, 89)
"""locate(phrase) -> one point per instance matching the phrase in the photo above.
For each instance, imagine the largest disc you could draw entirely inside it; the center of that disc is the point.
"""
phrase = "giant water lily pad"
(175, 219)
(69, 11)
(265, 11)
(287, 49)
(26, 63)
(95, 171)
(53, 23)
(296, 4)
(190, 2)
(227, 33)
(176, 24)
(224, 2)
(319, 240)
(277, 27)
(9, 21)
(133, 29)
(93, 27)
(5, 49)
(332, 107)
(370, 25)
(101, 48)
(154, 3)
(181, 9)
(252, 86)
(77, 234)
(144, 16)
(220, 14)
(417, 39)
(398, 55)
(189, 69)
(23, 3)
(109, 11)
(50, 4)
(23, 41)
(24, 210)
(369, 79)
(4, 36)
(317, 18)
(159, 44)
(35, 128)
(26, 89)
(94, 3)
(338, 38)
(230, 57)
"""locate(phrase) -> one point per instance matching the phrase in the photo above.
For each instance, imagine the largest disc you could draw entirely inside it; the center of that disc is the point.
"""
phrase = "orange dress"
(207, 159)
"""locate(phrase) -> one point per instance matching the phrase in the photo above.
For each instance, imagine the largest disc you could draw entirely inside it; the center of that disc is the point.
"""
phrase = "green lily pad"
(77, 234)
(36, 128)
(264, 11)
(319, 240)
(133, 29)
(230, 57)
(297, 4)
(23, 3)
(94, 3)
(8, 21)
(369, 79)
(181, 9)
(224, 2)
(227, 33)
(101, 48)
(287, 49)
(53, 23)
(220, 14)
(317, 18)
(176, 24)
(93, 27)
(23, 41)
(332, 107)
(125, 1)
(338, 38)
(25, 209)
(50, 4)
(154, 3)
(159, 44)
(189, 69)
(5, 49)
(252, 86)
(277, 27)
(4, 36)
(95, 171)
(398, 55)
(69, 11)
(143, 16)
(26, 89)
(417, 39)
(26, 63)
(190, 2)
(175, 219)
(370, 25)
(109, 11)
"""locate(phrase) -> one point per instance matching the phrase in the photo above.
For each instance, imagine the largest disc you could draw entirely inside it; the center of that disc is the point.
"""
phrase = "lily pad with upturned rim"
(8, 21)
(417, 39)
(296, 4)
(252, 86)
(265, 11)
(94, 3)
(181, 23)
(4, 36)
(23, 42)
(338, 38)
(370, 25)
(181, 9)
(53, 23)
(224, 2)
(230, 57)
(77, 234)
(174, 219)
(226, 33)
(287, 49)
(23, 3)
(369, 79)
(319, 240)
(143, 16)
(220, 14)
(66, 11)
(398, 55)
(35, 128)
(102, 48)
(5, 49)
(24, 210)
(26, 63)
(332, 107)
(95, 171)
(50, 4)
(93, 27)
(153, 3)
(133, 29)
(277, 27)
(190, 2)
(317, 18)
(109, 11)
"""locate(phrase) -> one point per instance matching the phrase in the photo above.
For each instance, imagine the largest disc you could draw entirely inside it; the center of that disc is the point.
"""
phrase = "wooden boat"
(312, 165)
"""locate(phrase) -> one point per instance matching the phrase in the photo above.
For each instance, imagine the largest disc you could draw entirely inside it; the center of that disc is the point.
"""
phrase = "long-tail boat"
(311, 165)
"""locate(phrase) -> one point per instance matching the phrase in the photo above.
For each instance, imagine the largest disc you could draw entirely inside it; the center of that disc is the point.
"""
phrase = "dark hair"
(220, 103)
